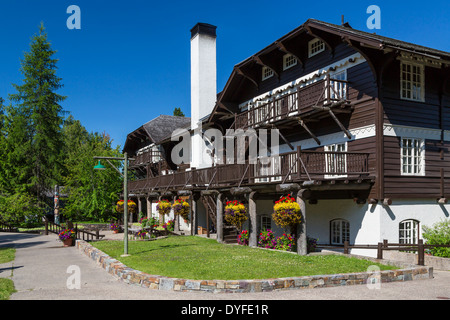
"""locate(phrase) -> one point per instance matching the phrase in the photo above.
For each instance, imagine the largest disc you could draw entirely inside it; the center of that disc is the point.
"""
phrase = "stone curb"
(135, 277)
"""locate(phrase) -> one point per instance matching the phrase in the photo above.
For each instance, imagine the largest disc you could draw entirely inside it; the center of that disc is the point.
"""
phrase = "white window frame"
(339, 231)
(289, 61)
(415, 159)
(315, 46)
(267, 73)
(412, 82)
(333, 160)
(408, 231)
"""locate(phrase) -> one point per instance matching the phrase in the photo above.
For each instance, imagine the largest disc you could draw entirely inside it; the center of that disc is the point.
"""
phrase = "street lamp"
(99, 166)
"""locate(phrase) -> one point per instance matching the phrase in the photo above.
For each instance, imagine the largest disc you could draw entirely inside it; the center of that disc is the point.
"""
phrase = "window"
(335, 161)
(289, 61)
(266, 73)
(315, 46)
(266, 223)
(340, 231)
(412, 82)
(412, 156)
(408, 231)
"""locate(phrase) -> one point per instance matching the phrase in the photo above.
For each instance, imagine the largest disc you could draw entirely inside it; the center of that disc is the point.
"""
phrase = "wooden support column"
(139, 206)
(301, 228)
(149, 207)
(219, 217)
(194, 198)
(253, 237)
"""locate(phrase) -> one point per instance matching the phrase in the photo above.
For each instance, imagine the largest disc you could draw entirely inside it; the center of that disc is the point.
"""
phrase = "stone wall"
(135, 277)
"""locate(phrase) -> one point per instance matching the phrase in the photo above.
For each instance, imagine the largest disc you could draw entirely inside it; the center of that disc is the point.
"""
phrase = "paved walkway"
(39, 271)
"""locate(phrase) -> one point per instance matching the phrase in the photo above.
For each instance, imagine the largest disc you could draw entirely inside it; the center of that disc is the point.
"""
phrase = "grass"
(6, 285)
(197, 258)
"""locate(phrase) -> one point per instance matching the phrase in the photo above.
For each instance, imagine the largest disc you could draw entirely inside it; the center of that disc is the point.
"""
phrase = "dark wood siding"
(412, 113)
(402, 186)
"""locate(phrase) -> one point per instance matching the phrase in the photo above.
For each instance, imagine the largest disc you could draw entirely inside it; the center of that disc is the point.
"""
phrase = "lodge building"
(364, 137)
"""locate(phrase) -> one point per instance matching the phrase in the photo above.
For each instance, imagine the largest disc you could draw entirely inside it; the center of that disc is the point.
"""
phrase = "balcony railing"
(321, 93)
(287, 167)
(150, 156)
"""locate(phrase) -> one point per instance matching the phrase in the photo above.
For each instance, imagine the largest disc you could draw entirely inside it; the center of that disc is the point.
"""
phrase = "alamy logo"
(374, 21)
(74, 280)
(230, 148)
(74, 21)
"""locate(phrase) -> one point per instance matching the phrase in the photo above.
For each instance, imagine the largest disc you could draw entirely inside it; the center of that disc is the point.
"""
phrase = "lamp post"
(99, 166)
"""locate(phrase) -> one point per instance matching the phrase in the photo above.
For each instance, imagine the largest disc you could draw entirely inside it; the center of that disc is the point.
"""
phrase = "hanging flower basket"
(235, 213)
(181, 208)
(131, 206)
(163, 207)
(287, 212)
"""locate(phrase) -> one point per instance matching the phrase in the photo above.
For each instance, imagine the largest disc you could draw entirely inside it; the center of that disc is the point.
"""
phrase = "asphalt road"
(44, 270)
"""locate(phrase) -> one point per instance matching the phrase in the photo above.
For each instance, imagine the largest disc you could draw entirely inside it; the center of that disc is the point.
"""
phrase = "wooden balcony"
(296, 166)
(145, 158)
(304, 101)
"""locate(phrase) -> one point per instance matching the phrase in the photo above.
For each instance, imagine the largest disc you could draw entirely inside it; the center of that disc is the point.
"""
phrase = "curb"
(135, 277)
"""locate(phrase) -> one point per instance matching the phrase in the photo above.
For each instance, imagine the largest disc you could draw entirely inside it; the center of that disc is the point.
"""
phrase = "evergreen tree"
(39, 112)
(178, 112)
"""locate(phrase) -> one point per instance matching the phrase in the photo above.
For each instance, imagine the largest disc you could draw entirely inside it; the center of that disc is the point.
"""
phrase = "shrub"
(286, 243)
(243, 238)
(439, 233)
(169, 225)
(311, 244)
(267, 239)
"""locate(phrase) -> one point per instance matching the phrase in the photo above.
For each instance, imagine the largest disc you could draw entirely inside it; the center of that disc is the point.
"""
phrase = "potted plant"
(169, 225)
(163, 207)
(114, 226)
(286, 242)
(67, 236)
(235, 213)
(181, 208)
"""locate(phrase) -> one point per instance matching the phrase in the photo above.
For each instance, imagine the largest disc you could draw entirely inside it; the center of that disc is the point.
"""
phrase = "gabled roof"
(340, 33)
(154, 131)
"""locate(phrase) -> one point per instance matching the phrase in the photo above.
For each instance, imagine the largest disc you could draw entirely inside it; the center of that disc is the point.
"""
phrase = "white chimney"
(203, 86)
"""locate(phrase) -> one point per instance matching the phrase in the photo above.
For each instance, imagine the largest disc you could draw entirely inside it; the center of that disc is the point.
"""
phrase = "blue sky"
(129, 63)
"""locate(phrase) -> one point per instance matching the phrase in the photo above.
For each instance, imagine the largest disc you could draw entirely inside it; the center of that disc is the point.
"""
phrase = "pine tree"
(178, 112)
(39, 103)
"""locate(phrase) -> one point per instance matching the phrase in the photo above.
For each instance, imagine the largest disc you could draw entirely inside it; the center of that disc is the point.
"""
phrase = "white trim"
(319, 74)
(414, 132)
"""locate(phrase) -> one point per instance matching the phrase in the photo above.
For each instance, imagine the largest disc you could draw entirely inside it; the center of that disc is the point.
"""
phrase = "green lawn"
(6, 285)
(197, 258)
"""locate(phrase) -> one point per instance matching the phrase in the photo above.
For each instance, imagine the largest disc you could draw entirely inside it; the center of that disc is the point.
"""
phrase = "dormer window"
(289, 61)
(315, 46)
(266, 73)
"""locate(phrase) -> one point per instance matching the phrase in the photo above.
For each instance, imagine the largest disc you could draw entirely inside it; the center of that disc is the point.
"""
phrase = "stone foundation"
(135, 277)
